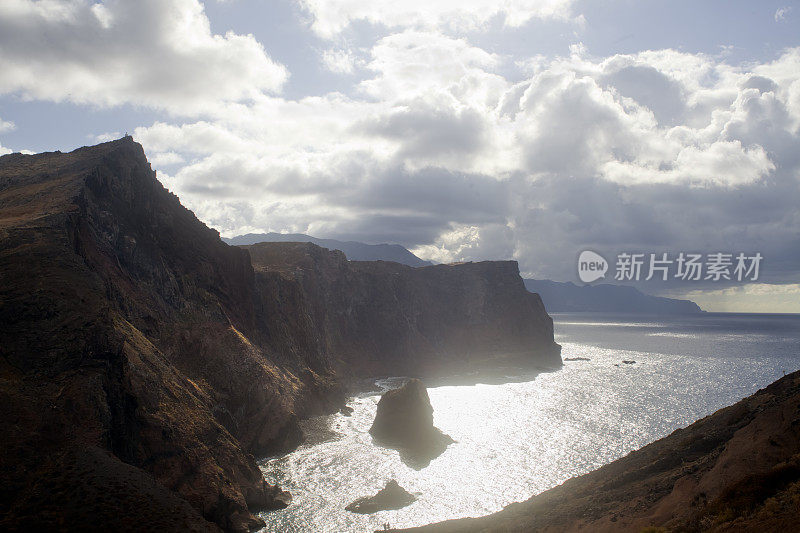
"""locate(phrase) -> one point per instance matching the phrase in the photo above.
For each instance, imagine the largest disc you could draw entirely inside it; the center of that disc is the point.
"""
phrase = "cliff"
(355, 251)
(144, 362)
(735, 470)
(604, 298)
(386, 319)
(131, 335)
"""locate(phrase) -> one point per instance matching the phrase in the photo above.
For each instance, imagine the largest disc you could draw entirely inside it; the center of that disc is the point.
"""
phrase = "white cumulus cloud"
(440, 149)
(333, 16)
(339, 61)
(154, 53)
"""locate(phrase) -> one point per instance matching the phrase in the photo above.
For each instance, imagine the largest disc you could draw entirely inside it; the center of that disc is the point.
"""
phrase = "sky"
(464, 130)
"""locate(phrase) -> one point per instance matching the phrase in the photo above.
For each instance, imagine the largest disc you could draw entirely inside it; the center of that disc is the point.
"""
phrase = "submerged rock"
(392, 496)
(404, 421)
(577, 359)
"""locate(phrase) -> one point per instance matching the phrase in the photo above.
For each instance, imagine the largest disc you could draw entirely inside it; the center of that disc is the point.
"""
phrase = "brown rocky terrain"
(144, 363)
(735, 470)
(131, 331)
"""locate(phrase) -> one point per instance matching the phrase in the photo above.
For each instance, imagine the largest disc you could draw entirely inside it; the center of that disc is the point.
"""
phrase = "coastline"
(736, 469)
(570, 408)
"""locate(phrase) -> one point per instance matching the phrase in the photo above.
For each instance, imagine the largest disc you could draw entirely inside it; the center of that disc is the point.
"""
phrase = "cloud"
(331, 17)
(453, 149)
(781, 13)
(155, 53)
(6, 126)
(339, 61)
(164, 159)
(412, 63)
(437, 149)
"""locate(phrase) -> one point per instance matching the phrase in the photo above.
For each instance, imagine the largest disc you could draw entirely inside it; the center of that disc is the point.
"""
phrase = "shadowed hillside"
(384, 318)
(144, 363)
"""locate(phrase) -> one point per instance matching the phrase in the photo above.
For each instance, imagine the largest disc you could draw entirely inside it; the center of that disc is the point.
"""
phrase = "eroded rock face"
(131, 330)
(404, 421)
(392, 496)
(378, 318)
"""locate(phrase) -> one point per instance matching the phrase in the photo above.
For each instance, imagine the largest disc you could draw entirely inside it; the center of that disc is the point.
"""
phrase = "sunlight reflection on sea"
(518, 439)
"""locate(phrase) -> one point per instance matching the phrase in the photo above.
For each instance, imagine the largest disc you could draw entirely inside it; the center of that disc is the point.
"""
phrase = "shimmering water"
(515, 440)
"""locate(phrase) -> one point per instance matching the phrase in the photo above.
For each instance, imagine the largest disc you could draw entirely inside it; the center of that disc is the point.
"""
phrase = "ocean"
(521, 437)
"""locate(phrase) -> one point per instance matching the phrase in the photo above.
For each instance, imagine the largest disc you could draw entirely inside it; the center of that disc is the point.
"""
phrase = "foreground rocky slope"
(736, 470)
(144, 363)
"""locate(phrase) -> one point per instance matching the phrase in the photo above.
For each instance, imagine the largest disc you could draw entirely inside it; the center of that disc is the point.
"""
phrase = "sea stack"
(404, 421)
(392, 496)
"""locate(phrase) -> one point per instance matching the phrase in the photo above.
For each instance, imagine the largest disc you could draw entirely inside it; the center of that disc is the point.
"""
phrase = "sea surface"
(517, 439)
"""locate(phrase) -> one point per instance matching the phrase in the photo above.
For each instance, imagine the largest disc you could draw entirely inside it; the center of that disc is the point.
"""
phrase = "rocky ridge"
(131, 331)
(145, 362)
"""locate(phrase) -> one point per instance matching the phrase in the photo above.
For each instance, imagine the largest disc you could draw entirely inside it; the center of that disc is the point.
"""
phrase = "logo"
(591, 266)
(688, 266)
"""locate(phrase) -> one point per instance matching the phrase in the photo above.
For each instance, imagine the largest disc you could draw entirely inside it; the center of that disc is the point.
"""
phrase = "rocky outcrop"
(133, 334)
(131, 331)
(386, 319)
(404, 421)
(735, 470)
(392, 496)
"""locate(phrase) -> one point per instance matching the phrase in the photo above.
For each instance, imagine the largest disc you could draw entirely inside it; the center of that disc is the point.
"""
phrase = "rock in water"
(392, 496)
(404, 421)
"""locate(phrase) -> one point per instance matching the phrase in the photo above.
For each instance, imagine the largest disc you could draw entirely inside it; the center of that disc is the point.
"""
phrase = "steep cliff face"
(384, 318)
(129, 328)
(735, 470)
(144, 362)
